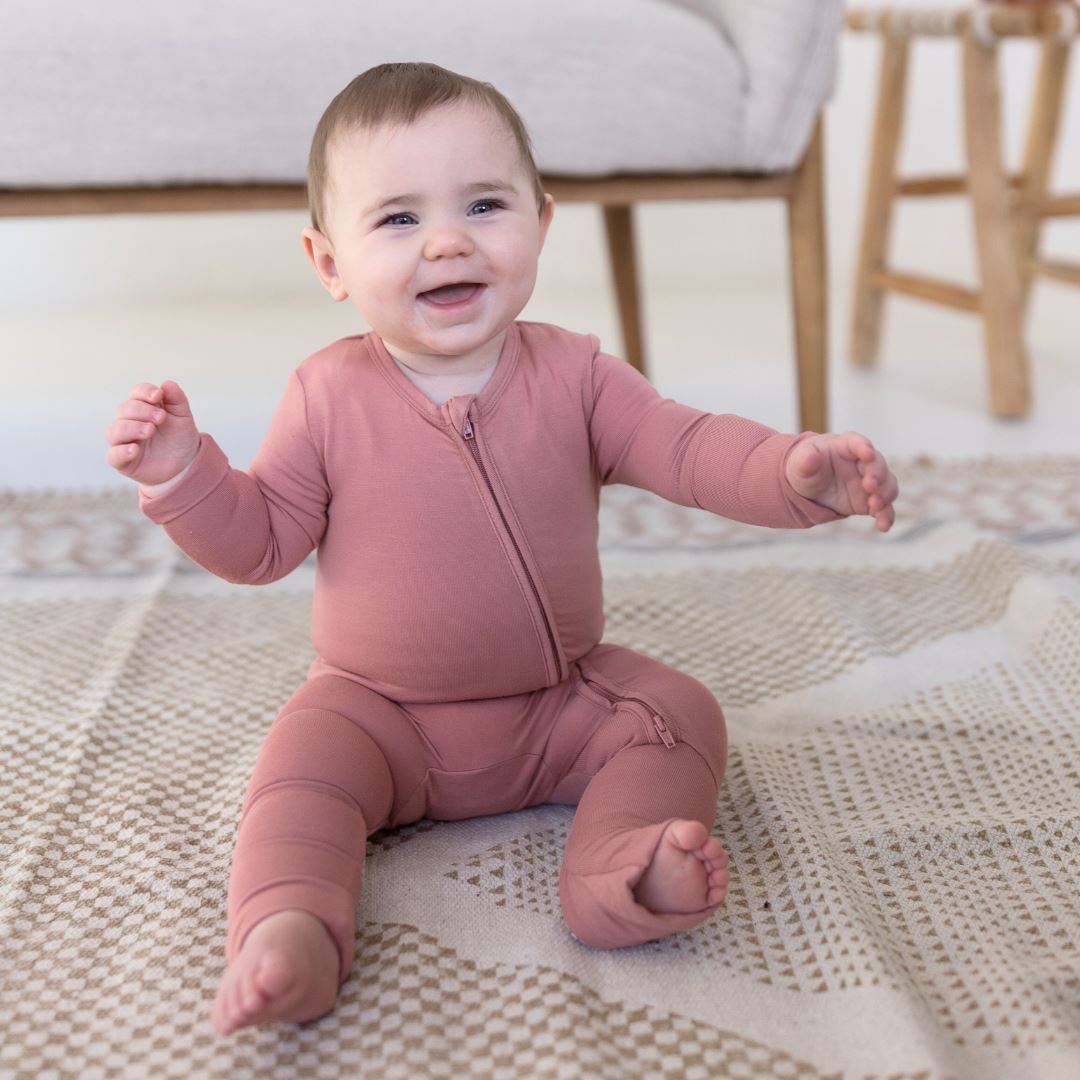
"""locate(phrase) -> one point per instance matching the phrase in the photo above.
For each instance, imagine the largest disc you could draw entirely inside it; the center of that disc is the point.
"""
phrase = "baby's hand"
(846, 474)
(154, 437)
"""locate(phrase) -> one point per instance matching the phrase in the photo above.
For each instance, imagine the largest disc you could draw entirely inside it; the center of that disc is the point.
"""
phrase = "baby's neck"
(435, 369)
(442, 386)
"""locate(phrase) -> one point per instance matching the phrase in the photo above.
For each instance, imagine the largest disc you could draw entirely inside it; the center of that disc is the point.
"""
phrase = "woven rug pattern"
(901, 808)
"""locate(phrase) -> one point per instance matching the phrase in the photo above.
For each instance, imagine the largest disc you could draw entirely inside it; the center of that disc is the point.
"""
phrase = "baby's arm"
(722, 463)
(252, 527)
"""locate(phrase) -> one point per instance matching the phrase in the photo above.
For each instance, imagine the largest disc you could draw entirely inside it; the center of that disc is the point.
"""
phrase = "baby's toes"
(254, 997)
(222, 1016)
(716, 866)
(273, 978)
(228, 1010)
(718, 870)
(243, 1007)
(236, 1004)
(689, 835)
(712, 851)
(716, 887)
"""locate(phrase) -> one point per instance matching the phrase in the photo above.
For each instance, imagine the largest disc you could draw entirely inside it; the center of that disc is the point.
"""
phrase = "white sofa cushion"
(117, 93)
(788, 51)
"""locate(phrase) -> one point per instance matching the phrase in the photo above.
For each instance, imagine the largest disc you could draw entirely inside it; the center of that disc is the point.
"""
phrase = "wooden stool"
(1008, 210)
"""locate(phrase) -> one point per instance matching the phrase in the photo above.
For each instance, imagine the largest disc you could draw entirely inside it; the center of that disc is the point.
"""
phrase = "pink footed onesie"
(458, 614)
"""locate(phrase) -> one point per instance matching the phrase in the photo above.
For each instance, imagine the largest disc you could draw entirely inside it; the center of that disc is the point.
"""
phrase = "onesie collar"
(484, 402)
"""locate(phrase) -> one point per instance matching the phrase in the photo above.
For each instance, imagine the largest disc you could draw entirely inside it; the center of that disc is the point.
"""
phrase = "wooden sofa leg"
(806, 231)
(619, 226)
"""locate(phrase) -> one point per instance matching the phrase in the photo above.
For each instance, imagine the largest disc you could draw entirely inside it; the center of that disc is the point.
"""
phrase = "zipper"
(657, 720)
(470, 440)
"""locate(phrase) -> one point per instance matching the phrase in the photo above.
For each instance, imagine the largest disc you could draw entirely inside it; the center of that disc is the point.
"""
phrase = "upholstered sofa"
(163, 106)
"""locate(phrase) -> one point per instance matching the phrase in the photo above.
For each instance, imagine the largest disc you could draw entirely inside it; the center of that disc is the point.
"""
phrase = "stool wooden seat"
(1008, 210)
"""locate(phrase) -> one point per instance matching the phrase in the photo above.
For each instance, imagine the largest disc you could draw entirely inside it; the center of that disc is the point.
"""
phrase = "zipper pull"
(467, 430)
(663, 731)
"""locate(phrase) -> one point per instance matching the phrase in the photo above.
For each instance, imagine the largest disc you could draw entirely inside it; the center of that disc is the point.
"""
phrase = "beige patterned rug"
(902, 810)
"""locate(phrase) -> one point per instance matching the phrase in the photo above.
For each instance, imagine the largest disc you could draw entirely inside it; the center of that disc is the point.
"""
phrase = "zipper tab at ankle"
(663, 731)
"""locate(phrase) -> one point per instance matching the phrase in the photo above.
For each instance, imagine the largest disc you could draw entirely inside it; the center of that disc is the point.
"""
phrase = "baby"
(447, 466)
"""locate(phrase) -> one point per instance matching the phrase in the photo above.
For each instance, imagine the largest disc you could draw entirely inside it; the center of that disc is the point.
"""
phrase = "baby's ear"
(547, 212)
(321, 253)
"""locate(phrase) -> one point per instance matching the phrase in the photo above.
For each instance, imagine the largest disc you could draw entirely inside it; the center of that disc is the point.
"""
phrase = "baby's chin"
(455, 343)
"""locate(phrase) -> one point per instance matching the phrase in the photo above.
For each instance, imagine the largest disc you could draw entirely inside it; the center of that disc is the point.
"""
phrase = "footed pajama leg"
(657, 755)
(321, 785)
(619, 822)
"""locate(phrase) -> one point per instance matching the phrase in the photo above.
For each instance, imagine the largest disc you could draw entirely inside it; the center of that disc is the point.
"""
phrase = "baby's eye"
(485, 206)
(398, 219)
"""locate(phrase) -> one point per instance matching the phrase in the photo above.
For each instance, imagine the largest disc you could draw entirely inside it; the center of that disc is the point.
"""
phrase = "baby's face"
(434, 235)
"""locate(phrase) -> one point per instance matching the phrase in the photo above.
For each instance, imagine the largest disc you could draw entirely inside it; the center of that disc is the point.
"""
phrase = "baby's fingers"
(876, 475)
(880, 503)
(885, 518)
(174, 400)
(856, 447)
(129, 431)
(124, 457)
(135, 409)
(148, 392)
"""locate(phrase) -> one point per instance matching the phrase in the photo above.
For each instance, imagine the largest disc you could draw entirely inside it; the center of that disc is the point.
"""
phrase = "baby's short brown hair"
(399, 93)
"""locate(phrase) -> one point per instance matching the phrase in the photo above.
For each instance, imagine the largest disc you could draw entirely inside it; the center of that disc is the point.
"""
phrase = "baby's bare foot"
(688, 871)
(287, 970)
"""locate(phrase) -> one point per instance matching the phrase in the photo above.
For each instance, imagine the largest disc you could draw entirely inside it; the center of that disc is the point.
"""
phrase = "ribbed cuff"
(331, 904)
(599, 905)
(207, 471)
(737, 471)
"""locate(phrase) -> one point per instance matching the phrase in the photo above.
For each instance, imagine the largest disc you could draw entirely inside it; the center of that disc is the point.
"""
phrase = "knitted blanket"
(902, 810)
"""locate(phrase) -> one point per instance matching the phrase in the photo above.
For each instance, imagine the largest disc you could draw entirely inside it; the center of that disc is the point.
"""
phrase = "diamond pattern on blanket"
(523, 872)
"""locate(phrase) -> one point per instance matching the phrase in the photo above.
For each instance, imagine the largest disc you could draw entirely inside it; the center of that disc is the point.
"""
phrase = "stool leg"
(1045, 118)
(809, 281)
(1001, 293)
(880, 192)
(619, 226)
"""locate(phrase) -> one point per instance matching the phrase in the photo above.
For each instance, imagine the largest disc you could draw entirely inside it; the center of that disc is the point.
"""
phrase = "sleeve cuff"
(813, 513)
(738, 471)
(207, 471)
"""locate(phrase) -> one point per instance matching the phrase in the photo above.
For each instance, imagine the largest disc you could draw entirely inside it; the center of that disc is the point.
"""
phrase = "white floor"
(726, 350)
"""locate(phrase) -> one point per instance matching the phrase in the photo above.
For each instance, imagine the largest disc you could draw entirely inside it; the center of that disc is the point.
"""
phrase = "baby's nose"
(447, 241)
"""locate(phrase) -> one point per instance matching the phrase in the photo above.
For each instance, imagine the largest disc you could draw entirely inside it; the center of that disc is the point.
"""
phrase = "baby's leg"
(640, 862)
(321, 785)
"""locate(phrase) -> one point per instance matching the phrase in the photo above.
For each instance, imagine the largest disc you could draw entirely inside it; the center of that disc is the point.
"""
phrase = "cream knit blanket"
(902, 810)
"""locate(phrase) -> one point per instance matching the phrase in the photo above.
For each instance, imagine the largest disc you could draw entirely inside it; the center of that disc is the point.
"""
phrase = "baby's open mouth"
(452, 294)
